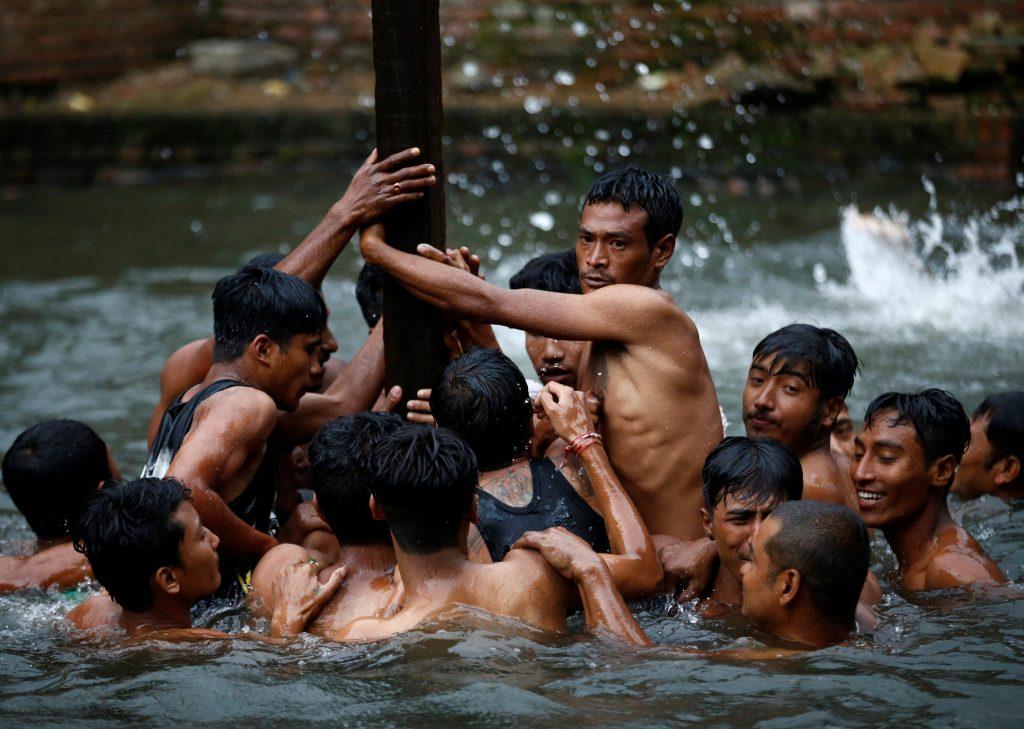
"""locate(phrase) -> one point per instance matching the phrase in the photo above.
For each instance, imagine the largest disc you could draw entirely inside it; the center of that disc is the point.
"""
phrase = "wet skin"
(979, 473)
(841, 439)
(554, 360)
(643, 355)
(902, 494)
(781, 403)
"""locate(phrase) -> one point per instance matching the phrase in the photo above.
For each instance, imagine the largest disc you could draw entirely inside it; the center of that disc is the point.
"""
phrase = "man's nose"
(214, 540)
(553, 351)
(765, 399)
(597, 257)
(329, 344)
(860, 471)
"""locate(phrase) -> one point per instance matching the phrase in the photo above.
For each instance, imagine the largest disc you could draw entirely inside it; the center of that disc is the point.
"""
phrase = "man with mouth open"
(642, 354)
(905, 458)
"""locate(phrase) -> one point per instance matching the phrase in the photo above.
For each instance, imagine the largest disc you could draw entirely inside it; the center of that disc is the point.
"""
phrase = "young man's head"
(424, 479)
(808, 563)
(744, 480)
(628, 229)
(906, 454)
(554, 360)
(275, 321)
(483, 397)
(841, 439)
(338, 457)
(51, 470)
(146, 544)
(370, 293)
(797, 385)
(994, 461)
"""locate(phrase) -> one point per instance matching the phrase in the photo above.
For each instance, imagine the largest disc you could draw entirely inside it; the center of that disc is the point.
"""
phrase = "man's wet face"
(760, 603)
(732, 525)
(198, 572)
(612, 247)
(554, 360)
(842, 436)
(975, 475)
(328, 346)
(296, 370)
(889, 472)
(780, 402)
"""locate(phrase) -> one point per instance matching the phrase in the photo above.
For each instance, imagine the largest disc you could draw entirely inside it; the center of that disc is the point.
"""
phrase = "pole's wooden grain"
(407, 61)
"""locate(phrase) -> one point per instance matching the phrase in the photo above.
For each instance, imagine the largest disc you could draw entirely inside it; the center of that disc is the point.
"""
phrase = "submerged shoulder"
(960, 564)
(99, 611)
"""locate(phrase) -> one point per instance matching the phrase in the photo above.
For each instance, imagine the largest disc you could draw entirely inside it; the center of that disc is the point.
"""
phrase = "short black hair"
(258, 301)
(51, 470)
(824, 355)
(338, 457)
(424, 479)
(483, 397)
(1005, 427)
(127, 533)
(751, 468)
(828, 545)
(655, 194)
(939, 420)
(370, 293)
(554, 272)
(263, 260)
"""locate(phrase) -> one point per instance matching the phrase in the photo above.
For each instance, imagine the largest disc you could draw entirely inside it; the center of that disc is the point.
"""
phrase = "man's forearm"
(606, 612)
(236, 537)
(316, 254)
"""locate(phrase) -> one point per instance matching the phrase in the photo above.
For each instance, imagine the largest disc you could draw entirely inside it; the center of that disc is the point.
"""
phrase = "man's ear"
(662, 250)
(830, 411)
(787, 586)
(1007, 470)
(263, 349)
(378, 513)
(705, 518)
(942, 470)
(166, 581)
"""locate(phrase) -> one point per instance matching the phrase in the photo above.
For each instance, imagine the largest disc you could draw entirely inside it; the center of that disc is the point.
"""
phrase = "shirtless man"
(643, 355)
(148, 548)
(482, 396)
(807, 563)
(744, 480)
(50, 472)
(994, 462)
(361, 544)
(905, 460)
(798, 382)
(423, 484)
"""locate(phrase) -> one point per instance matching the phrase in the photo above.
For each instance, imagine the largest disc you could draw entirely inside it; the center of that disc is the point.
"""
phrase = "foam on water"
(944, 272)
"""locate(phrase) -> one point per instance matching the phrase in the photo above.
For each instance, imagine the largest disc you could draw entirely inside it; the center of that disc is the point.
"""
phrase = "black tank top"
(554, 503)
(254, 505)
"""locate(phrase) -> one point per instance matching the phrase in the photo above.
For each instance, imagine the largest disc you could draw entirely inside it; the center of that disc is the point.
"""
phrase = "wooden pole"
(407, 62)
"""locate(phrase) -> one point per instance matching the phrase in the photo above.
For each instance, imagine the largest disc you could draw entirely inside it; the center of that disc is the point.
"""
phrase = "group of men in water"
(279, 472)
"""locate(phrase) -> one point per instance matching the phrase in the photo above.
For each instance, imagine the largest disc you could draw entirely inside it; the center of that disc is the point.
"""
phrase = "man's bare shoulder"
(99, 611)
(960, 564)
(824, 482)
(243, 409)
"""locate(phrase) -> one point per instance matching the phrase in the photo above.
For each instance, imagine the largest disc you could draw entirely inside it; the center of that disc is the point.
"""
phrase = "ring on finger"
(396, 188)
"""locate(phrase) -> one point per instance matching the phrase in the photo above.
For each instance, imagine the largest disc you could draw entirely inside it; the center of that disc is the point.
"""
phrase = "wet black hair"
(751, 468)
(51, 470)
(483, 397)
(655, 194)
(823, 355)
(424, 479)
(338, 457)
(938, 418)
(263, 260)
(127, 533)
(1005, 427)
(828, 545)
(555, 272)
(370, 293)
(258, 301)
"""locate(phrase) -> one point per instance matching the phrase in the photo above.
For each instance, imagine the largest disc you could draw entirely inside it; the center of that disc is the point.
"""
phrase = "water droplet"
(534, 104)
(704, 141)
(543, 220)
(564, 78)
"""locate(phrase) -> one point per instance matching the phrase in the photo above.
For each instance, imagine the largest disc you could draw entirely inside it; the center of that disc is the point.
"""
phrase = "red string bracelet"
(579, 444)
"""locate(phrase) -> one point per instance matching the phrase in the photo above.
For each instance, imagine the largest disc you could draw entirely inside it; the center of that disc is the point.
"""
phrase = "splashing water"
(944, 272)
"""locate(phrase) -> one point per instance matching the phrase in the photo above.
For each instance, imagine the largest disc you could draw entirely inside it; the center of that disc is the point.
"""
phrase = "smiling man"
(905, 457)
(642, 356)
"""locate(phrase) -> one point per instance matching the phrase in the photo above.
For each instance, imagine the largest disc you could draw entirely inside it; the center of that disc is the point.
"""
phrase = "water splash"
(950, 273)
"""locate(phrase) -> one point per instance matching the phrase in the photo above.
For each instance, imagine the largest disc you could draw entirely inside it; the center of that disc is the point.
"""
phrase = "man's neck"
(819, 444)
(912, 540)
(162, 615)
(805, 626)
(237, 369)
(375, 558)
(427, 576)
(726, 589)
